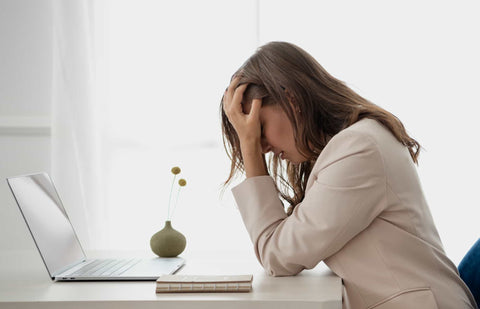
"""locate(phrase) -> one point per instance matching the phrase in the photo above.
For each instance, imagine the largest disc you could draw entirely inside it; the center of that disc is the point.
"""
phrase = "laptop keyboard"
(104, 268)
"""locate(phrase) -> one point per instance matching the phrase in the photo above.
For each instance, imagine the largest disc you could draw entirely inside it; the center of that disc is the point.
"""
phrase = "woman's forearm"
(253, 159)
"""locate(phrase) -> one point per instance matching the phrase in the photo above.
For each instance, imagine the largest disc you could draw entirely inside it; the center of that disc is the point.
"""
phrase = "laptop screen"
(47, 220)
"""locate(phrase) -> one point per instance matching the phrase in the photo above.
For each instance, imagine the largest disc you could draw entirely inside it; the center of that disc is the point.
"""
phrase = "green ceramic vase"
(168, 242)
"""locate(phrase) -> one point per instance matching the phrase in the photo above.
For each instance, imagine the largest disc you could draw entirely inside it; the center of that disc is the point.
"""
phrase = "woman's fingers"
(231, 88)
(255, 109)
(247, 125)
(232, 104)
(238, 96)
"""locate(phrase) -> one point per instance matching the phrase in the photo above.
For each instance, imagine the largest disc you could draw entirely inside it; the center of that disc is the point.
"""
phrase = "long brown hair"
(317, 104)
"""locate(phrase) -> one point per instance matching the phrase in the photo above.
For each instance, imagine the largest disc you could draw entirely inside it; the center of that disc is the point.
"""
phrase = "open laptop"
(59, 246)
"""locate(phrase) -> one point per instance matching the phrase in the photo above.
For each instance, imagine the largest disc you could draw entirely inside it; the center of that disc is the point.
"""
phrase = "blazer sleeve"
(347, 191)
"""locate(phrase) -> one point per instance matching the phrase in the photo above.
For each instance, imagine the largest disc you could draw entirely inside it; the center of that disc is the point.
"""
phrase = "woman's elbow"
(275, 266)
(282, 273)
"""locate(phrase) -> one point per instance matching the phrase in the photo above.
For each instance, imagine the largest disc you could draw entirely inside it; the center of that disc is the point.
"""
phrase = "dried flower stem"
(182, 182)
(170, 197)
(176, 201)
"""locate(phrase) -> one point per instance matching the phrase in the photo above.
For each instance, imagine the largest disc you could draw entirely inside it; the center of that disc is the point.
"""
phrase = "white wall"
(25, 92)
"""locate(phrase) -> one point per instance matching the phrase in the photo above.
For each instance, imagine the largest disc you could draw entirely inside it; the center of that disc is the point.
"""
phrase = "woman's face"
(277, 133)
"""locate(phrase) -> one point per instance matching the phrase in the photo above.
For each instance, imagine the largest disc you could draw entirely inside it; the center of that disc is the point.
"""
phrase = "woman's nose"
(265, 147)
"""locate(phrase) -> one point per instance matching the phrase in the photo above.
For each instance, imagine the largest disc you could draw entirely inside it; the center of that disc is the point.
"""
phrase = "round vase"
(168, 242)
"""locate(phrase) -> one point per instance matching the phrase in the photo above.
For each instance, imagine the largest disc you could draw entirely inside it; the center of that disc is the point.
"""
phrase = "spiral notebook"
(192, 283)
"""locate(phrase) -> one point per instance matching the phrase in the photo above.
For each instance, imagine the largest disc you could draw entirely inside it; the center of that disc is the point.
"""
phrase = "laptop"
(58, 244)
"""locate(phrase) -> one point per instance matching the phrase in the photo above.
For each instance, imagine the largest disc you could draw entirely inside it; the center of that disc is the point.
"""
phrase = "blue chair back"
(469, 270)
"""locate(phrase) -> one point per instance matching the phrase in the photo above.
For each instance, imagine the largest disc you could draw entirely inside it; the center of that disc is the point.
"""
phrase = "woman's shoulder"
(366, 129)
(364, 136)
(353, 151)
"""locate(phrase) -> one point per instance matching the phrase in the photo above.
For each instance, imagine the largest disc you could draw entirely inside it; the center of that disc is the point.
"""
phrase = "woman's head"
(277, 134)
(292, 83)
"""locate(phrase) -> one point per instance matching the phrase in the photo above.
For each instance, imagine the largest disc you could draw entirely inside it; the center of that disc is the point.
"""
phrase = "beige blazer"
(364, 214)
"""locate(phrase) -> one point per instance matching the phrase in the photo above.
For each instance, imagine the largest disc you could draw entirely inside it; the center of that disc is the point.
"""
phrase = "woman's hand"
(247, 126)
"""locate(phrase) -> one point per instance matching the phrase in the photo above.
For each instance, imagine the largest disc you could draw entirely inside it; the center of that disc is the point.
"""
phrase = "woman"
(346, 168)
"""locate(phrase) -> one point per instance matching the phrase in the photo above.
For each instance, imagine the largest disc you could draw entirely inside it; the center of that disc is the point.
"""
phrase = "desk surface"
(317, 288)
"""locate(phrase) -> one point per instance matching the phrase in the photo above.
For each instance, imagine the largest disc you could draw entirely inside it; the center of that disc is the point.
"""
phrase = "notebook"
(195, 283)
(58, 244)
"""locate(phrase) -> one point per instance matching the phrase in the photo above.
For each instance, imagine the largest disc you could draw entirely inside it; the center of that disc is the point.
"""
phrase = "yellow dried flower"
(182, 183)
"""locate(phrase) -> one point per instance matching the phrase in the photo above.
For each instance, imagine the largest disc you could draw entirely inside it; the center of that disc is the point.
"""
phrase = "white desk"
(317, 288)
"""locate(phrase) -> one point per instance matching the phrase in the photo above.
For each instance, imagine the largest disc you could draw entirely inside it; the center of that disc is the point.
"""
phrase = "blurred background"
(108, 96)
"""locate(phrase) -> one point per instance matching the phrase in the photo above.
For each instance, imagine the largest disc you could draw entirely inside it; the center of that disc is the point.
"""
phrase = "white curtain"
(76, 134)
(137, 87)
